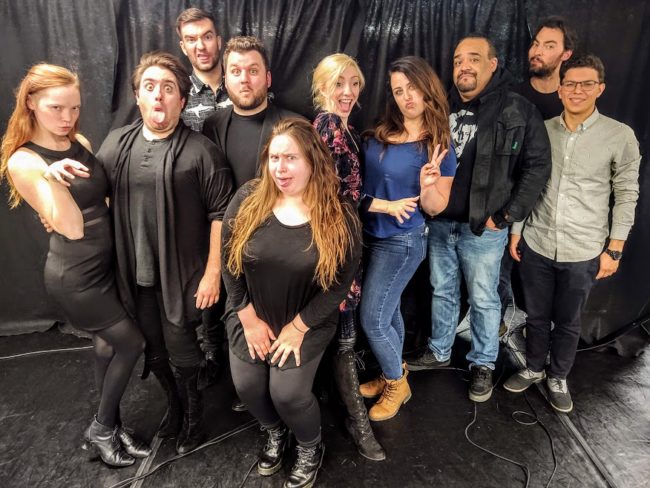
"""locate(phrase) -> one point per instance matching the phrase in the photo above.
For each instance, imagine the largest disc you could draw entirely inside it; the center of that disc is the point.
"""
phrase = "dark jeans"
(273, 395)
(214, 330)
(164, 339)
(505, 281)
(554, 292)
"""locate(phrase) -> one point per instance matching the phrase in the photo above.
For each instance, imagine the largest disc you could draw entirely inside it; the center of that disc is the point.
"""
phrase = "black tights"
(117, 349)
(273, 395)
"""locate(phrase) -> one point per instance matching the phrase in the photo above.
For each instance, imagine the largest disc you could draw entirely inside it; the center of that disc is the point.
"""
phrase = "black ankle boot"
(192, 433)
(132, 445)
(308, 460)
(272, 455)
(103, 440)
(357, 423)
(173, 419)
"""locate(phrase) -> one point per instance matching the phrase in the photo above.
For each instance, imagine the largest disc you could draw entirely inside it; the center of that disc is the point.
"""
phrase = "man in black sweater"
(242, 130)
(504, 160)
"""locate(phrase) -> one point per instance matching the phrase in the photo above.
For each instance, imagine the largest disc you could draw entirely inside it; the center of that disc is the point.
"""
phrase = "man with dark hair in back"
(201, 43)
(568, 242)
(503, 163)
(169, 190)
(553, 43)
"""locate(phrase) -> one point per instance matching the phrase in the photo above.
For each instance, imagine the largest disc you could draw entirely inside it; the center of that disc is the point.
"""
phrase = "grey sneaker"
(522, 379)
(426, 361)
(480, 388)
(559, 395)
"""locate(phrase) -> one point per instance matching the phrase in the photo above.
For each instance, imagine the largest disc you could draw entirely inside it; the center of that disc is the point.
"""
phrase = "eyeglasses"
(585, 85)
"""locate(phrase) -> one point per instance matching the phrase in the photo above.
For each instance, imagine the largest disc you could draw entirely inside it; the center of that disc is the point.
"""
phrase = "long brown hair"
(22, 122)
(329, 218)
(435, 126)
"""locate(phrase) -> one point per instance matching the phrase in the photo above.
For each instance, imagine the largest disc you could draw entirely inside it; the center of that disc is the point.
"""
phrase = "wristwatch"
(615, 255)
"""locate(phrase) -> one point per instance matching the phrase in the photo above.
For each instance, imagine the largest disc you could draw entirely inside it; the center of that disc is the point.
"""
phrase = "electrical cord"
(47, 351)
(212, 442)
(248, 473)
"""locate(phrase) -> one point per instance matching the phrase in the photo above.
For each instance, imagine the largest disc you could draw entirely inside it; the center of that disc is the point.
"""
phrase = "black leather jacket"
(513, 155)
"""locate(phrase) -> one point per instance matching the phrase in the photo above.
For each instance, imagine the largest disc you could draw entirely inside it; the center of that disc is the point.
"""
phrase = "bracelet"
(296, 327)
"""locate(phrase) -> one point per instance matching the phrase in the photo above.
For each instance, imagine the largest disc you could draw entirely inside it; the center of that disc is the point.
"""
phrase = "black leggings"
(164, 339)
(117, 349)
(273, 395)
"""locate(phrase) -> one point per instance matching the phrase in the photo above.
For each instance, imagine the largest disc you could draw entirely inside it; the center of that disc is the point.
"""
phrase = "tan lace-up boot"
(396, 393)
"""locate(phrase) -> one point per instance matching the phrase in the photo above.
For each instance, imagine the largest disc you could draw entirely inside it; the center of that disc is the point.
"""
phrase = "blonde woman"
(50, 166)
(336, 85)
(291, 248)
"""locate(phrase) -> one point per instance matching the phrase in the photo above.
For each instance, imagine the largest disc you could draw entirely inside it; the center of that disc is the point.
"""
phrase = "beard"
(248, 103)
(543, 70)
(467, 84)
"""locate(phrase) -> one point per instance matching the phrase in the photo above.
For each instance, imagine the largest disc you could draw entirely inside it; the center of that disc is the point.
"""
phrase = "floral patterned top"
(344, 145)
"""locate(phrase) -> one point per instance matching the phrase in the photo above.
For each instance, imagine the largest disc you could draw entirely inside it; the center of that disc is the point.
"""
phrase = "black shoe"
(559, 395)
(308, 461)
(480, 388)
(211, 369)
(272, 455)
(238, 405)
(103, 440)
(192, 433)
(357, 423)
(171, 423)
(427, 360)
(132, 445)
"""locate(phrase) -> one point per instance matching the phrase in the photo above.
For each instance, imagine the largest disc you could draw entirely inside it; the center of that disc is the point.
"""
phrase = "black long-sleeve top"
(279, 280)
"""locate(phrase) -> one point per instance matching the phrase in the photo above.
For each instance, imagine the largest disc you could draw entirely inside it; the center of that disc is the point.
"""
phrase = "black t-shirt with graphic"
(462, 122)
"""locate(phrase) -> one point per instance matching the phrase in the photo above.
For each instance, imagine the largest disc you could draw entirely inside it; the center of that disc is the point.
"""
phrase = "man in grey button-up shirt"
(568, 242)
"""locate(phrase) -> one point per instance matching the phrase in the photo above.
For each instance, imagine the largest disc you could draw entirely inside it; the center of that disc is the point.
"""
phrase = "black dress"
(78, 273)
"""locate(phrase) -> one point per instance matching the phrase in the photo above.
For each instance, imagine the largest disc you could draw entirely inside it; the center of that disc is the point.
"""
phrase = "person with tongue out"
(336, 85)
(170, 189)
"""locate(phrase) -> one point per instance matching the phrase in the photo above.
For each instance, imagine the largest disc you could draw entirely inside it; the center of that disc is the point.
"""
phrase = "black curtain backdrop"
(102, 42)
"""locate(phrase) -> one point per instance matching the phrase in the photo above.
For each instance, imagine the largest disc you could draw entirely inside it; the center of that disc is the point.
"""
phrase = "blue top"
(394, 175)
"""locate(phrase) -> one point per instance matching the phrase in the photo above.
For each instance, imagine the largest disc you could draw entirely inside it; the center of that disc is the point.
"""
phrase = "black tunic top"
(279, 281)
(193, 186)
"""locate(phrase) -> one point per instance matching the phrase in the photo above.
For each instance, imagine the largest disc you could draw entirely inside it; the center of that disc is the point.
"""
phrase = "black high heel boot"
(192, 433)
(272, 455)
(171, 423)
(308, 461)
(104, 441)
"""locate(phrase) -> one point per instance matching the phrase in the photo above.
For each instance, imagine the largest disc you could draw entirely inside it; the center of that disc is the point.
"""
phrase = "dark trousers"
(505, 281)
(164, 339)
(273, 395)
(554, 292)
(214, 330)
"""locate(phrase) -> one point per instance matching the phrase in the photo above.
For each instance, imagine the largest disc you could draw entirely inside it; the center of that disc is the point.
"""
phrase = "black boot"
(192, 432)
(104, 441)
(308, 460)
(132, 445)
(173, 419)
(357, 423)
(272, 455)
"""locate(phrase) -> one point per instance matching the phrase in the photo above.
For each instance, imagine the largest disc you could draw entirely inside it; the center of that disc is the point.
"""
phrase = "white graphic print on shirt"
(463, 129)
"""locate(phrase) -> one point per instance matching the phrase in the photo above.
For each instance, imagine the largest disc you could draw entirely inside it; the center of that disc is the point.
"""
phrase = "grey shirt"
(569, 222)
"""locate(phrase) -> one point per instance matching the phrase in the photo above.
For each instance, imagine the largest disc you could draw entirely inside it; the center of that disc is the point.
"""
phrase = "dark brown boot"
(357, 423)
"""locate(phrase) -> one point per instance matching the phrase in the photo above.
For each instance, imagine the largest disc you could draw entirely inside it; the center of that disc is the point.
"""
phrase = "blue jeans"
(454, 248)
(391, 263)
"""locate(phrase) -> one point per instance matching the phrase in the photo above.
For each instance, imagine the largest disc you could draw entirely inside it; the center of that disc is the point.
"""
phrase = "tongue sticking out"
(158, 117)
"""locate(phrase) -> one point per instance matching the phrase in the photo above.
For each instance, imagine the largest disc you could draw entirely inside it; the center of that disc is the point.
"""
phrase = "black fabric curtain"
(102, 42)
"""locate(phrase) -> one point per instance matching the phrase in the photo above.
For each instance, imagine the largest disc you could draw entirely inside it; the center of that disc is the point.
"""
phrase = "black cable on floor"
(212, 442)
(484, 449)
(248, 473)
